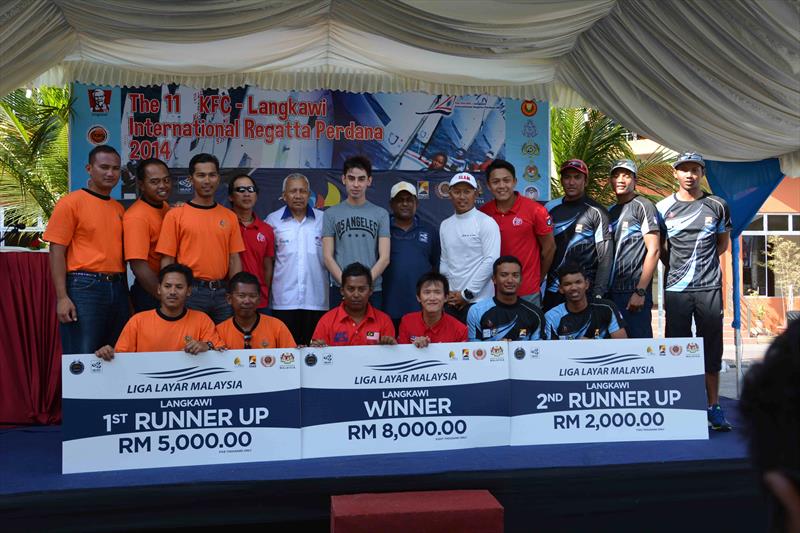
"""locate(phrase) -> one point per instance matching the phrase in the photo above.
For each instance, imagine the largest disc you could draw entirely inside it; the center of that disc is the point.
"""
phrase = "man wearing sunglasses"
(248, 328)
(259, 239)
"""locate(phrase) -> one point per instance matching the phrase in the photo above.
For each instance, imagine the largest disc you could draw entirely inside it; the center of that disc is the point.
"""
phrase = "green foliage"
(783, 258)
(34, 165)
(590, 135)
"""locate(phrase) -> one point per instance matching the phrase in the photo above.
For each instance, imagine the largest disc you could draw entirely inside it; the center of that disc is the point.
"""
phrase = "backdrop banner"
(609, 390)
(388, 399)
(249, 129)
(173, 409)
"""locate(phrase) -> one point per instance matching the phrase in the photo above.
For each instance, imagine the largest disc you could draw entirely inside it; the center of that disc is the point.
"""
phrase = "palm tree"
(590, 135)
(33, 152)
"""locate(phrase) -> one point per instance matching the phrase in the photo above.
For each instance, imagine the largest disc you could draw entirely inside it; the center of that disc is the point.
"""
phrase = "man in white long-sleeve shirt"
(470, 242)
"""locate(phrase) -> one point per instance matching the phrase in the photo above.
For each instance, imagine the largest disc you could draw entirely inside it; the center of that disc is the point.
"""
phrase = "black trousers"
(301, 322)
(706, 308)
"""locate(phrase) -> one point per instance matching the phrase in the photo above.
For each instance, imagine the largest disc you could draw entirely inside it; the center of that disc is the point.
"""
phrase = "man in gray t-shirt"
(356, 231)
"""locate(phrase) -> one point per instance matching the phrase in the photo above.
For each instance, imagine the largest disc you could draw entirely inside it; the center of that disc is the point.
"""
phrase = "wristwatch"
(468, 294)
(640, 292)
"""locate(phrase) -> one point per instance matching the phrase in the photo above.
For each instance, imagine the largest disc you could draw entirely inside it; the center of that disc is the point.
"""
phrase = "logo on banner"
(97, 135)
(253, 360)
(99, 100)
(407, 366)
(423, 190)
(530, 149)
(189, 373)
(528, 108)
(519, 353)
(496, 352)
(287, 358)
(237, 361)
(327, 359)
(267, 361)
(464, 353)
(443, 108)
(480, 354)
(692, 347)
(76, 367)
(97, 366)
(529, 129)
(607, 359)
(443, 190)
(311, 359)
(662, 349)
(531, 173)
(675, 349)
(452, 354)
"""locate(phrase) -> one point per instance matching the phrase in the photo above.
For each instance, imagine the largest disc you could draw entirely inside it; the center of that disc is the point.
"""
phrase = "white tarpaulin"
(718, 76)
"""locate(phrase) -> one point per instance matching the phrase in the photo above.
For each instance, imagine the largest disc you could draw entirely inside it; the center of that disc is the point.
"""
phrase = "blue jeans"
(638, 325)
(210, 301)
(102, 308)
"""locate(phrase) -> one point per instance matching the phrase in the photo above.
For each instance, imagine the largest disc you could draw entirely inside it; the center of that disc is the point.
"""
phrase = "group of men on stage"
(210, 278)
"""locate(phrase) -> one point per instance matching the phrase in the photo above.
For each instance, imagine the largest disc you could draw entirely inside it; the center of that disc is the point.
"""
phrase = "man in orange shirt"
(248, 328)
(354, 322)
(142, 226)
(170, 328)
(204, 236)
(86, 261)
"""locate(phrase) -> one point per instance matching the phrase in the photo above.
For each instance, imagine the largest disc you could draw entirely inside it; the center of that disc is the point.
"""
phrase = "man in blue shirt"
(415, 251)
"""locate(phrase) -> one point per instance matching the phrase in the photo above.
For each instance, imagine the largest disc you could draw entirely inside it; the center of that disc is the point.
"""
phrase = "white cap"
(401, 186)
(464, 177)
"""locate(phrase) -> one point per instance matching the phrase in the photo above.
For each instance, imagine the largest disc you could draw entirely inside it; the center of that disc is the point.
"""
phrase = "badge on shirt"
(708, 221)
(372, 336)
(523, 333)
(624, 225)
(260, 237)
(578, 228)
(340, 336)
(487, 333)
(549, 221)
(517, 221)
(423, 236)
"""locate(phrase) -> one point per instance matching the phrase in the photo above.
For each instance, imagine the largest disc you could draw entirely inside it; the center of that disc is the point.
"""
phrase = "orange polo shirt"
(336, 328)
(447, 329)
(90, 226)
(202, 238)
(150, 331)
(269, 332)
(142, 225)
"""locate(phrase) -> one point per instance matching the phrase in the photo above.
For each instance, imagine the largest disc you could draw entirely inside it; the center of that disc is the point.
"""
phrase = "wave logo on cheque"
(407, 366)
(607, 359)
(183, 374)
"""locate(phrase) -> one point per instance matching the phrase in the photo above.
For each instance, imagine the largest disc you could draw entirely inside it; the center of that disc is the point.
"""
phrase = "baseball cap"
(464, 177)
(627, 164)
(577, 164)
(689, 157)
(401, 186)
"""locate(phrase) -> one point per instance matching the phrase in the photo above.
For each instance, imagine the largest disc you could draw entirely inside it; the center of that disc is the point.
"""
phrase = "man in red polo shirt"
(431, 324)
(526, 230)
(259, 238)
(354, 322)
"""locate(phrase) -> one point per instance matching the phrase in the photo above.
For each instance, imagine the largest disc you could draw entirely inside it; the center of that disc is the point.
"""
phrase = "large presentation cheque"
(388, 399)
(174, 409)
(609, 390)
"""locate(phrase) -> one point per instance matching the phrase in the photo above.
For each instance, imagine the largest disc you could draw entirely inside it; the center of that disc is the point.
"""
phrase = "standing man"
(300, 284)
(582, 234)
(355, 321)
(248, 328)
(578, 317)
(526, 230)
(142, 226)
(415, 251)
(171, 327)
(506, 316)
(86, 261)
(356, 231)
(695, 234)
(431, 324)
(258, 237)
(204, 236)
(634, 223)
(470, 243)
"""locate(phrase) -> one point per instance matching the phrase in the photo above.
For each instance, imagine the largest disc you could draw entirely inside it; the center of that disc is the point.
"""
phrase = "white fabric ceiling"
(718, 76)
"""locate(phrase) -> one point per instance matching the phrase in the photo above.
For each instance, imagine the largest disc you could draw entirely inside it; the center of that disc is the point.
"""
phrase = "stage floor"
(576, 478)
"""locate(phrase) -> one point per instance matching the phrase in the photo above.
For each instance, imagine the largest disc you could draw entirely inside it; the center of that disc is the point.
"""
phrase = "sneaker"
(716, 419)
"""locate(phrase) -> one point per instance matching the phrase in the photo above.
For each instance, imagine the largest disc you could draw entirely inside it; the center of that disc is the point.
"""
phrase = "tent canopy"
(718, 76)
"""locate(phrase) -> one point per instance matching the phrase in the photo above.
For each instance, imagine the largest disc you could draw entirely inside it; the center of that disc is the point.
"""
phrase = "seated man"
(248, 328)
(577, 317)
(505, 316)
(431, 324)
(354, 322)
(170, 328)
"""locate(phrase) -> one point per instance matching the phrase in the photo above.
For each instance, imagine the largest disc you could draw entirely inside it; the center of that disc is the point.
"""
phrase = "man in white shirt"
(300, 280)
(470, 242)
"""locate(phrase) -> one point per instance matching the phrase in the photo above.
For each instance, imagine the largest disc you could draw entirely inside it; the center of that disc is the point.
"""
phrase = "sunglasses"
(245, 188)
(247, 338)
